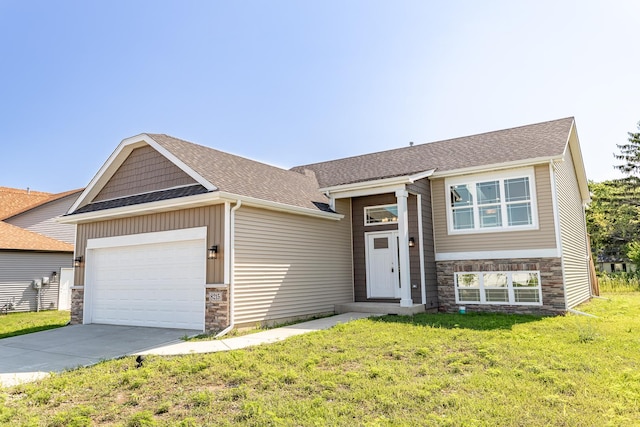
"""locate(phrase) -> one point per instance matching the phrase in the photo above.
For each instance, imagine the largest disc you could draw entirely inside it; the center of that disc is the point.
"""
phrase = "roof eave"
(281, 207)
(496, 166)
(384, 182)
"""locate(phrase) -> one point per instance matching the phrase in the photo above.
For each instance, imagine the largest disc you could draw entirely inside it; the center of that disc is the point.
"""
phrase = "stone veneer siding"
(216, 316)
(553, 301)
(77, 304)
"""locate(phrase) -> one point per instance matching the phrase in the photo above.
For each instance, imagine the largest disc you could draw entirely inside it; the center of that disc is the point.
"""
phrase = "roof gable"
(532, 142)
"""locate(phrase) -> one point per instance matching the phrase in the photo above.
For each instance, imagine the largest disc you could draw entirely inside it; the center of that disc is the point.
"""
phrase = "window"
(515, 287)
(501, 201)
(378, 215)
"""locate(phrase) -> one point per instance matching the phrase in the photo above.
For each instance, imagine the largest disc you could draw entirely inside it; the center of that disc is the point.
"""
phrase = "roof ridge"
(448, 140)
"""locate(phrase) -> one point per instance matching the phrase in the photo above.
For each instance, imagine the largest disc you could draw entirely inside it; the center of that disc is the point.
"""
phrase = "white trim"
(384, 182)
(227, 242)
(192, 201)
(472, 180)
(494, 167)
(195, 233)
(423, 288)
(554, 203)
(280, 207)
(370, 191)
(522, 253)
(404, 266)
(232, 259)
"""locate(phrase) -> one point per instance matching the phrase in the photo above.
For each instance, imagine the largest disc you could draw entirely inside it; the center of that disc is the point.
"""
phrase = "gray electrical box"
(37, 283)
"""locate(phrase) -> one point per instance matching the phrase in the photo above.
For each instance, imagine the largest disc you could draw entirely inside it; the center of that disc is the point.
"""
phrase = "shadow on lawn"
(475, 321)
(29, 330)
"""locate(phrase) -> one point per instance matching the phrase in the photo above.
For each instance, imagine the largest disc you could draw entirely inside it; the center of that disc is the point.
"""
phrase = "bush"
(619, 282)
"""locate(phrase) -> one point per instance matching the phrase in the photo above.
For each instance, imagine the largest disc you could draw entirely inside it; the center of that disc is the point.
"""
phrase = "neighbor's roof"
(13, 200)
(244, 177)
(541, 140)
(49, 199)
(16, 238)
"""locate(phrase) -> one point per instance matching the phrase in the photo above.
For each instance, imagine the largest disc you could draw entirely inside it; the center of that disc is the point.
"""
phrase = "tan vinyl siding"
(19, 268)
(211, 217)
(573, 234)
(143, 171)
(290, 265)
(42, 220)
(543, 238)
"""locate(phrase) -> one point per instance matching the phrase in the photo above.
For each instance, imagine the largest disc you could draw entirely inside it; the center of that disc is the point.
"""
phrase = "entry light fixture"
(213, 252)
(412, 242)
(77, 262)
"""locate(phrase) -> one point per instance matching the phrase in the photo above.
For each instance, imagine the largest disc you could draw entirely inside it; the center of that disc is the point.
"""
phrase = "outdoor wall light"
(412, 242)
(77, 261)
(213, 252)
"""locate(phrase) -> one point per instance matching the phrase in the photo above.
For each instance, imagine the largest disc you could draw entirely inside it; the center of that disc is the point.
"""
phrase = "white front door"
(382, 264)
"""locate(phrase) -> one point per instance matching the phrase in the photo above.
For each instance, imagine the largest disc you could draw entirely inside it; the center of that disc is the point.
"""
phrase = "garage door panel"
(160, 285)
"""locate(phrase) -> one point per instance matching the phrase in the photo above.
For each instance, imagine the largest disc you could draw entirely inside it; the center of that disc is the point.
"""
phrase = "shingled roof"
(14, 200)
(41, 200)
(16, 238)
(238, 175)
(541, 140)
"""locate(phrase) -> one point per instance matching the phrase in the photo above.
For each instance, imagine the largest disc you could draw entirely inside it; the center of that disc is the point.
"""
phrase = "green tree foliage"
(613, 223)
(630, 155)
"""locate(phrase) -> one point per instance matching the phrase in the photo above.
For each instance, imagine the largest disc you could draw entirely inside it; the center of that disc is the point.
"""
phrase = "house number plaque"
(215, 296)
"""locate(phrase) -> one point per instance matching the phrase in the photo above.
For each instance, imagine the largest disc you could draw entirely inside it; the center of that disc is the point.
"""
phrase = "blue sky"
(296, 82)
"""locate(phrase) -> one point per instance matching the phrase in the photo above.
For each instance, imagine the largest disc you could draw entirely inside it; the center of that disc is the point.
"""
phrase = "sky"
(296, 82)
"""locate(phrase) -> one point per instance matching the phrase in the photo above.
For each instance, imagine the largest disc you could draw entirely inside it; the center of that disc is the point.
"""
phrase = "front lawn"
(13, 324)
(441, 370)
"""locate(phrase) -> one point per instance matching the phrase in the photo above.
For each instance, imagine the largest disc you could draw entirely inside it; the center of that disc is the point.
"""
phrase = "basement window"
(497, 287)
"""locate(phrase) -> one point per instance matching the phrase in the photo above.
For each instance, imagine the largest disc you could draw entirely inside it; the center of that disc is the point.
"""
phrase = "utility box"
(37, 284)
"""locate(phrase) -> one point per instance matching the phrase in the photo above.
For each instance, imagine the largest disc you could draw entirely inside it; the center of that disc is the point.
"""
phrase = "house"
(36, 253)
(615, 264)
(179, 235)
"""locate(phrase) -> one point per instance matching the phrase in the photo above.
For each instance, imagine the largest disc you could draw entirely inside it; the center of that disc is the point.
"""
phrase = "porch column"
(403, 250)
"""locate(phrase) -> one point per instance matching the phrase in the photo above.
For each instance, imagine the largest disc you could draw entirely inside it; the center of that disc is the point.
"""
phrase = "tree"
(612, 222)
(630, 154)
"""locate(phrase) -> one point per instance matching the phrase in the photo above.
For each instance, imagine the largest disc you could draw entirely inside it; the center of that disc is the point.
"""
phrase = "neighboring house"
(615, 264)
(36, 252)
(174, 234)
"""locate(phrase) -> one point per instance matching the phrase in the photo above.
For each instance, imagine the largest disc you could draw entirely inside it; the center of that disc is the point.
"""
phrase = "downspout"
(231, 260)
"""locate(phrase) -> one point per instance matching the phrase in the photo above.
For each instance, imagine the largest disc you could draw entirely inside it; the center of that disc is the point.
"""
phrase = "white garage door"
(158, 285)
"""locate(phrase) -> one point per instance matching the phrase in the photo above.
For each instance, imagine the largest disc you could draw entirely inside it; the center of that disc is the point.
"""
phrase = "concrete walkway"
(34, 356)
(266, 337)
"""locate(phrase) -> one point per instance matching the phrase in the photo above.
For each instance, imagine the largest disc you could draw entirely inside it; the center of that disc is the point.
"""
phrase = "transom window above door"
(492, 202)
(383, 214)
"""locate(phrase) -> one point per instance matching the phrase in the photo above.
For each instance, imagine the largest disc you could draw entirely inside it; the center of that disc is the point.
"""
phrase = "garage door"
(158, 285)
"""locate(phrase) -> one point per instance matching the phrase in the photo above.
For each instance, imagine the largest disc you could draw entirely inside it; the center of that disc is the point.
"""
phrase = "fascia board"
(118, 157)
(143, 208)
(281, 207)
(496, 166)
(578, 163)
(385, 182)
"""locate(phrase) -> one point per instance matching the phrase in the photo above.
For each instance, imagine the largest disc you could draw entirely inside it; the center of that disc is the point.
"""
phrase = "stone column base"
(216, 317)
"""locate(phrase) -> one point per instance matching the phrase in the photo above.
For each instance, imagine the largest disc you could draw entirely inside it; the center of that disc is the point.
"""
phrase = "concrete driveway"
(28, 357)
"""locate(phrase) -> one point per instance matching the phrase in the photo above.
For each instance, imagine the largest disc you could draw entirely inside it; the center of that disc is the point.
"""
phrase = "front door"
(383, 279)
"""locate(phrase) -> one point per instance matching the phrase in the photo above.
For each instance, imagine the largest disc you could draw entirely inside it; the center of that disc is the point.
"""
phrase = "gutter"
(231, 260)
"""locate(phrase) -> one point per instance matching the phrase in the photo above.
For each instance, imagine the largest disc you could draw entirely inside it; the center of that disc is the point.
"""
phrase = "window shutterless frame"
(381, 215)
(498, 287)
(492, 202)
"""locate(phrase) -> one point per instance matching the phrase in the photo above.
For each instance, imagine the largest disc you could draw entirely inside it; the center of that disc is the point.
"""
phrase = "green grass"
(13, 324)
(432, 369)
(618, 283)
